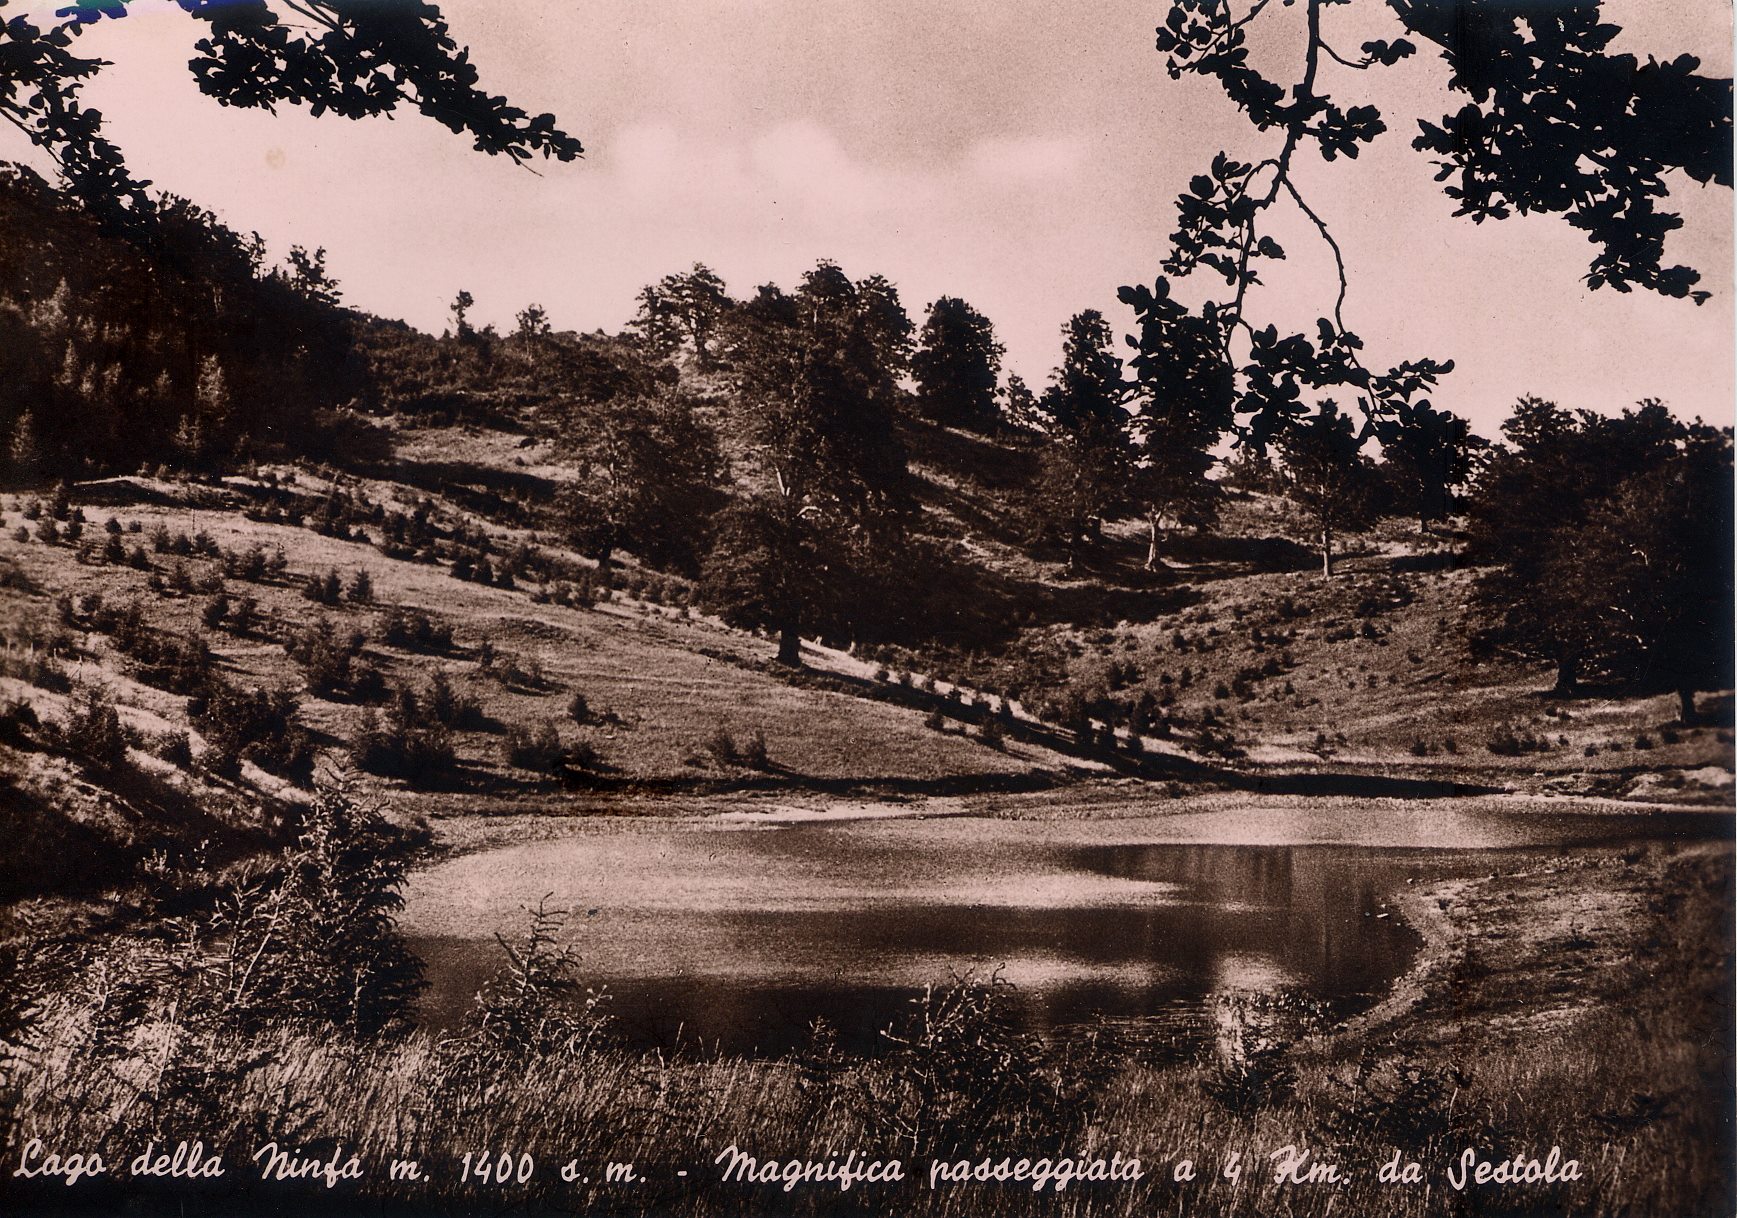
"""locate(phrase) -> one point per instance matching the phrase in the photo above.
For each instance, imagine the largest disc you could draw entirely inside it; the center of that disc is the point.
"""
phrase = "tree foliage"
(957, 365)
(115, 352)
(1558, 124)
(353, 60)
(1428, 455)
(1554, 124)
(828, 497)
(1610, 545)
(1326, 475)
(683, 310)
(1088, 463)
(650, 477)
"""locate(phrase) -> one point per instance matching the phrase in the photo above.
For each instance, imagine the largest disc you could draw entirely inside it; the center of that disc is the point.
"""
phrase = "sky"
(1023, 155)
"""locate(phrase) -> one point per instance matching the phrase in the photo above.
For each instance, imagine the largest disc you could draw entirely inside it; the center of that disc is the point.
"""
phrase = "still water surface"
(738, 936)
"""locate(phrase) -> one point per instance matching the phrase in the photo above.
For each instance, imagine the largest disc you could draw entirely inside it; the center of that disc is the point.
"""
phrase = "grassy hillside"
(1235, 664)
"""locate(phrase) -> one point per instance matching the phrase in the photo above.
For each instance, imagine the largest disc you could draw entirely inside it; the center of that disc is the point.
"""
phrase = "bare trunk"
(1326, 553)
(1152, 563)
(1567, 676)
(1686, 698)
(790, 647)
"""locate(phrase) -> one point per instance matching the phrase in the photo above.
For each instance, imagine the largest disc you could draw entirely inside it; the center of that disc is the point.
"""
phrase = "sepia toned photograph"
(951, 608)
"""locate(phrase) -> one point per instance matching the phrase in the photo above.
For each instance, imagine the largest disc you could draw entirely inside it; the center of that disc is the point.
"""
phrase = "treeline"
(177, 345)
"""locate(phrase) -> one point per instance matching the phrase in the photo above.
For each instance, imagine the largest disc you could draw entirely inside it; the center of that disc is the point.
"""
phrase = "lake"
(735, 933)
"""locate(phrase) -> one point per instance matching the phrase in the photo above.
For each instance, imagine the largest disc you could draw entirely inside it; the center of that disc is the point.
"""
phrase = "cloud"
(792, 168)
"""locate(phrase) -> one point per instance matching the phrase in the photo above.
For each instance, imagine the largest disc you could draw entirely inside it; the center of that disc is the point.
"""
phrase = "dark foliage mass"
(957, 365)
(829, 496)
(184, 350)
(1610, 544)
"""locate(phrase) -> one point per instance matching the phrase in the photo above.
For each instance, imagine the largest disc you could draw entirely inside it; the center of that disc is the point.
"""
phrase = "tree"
(1087, 464)
(829, 473)
(1656, 560)
(205, 432)
(1019, 404)
(24, 454)
(1185, 397)
(1546, 518)
(308, 275)
(888, 324)
(649, 479)
(461, 306)
(1428, 454)
(354, 60)
(684, 309)
(1326, 475)
(532, 322)
(957, 365)
(1552, 123)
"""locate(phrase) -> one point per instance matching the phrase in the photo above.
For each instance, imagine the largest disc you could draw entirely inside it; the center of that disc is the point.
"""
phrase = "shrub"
(177, 664)
(334, 665)
(361, 589)
(215, 611)
(721, 746)
(398, 745)
(1250, 1067)
(958, 1074)
(244, 615)
(446, 706)
(248, 565)
(935, 721)
(319, 929)
(539, 751)
(1509, 741)
(257, 725)
(18, 721)
(323, 589)
(174, 747)
(1643, 741)
(414, 630)
(993, 734)
(579, 708)
(754, 752)
(92, 729)
(532, 1006)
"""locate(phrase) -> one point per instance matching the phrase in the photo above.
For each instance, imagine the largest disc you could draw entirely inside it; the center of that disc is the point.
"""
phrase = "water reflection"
(740, 940)
(1218, 917)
